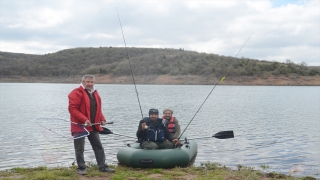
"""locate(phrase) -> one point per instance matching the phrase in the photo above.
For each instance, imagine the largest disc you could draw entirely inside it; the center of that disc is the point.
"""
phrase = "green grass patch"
(206, 171)
(264, 167)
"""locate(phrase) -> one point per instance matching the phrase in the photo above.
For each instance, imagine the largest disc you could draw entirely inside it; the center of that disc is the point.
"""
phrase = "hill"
(151, 66)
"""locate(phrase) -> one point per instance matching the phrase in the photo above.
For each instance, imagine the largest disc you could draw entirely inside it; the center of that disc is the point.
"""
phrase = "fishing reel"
(186, 141)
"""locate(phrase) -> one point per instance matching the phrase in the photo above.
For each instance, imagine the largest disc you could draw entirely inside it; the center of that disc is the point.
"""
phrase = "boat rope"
(134, 82)
(219, 80)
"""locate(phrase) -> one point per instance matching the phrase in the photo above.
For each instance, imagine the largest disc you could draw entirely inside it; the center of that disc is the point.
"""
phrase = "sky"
(272, 30)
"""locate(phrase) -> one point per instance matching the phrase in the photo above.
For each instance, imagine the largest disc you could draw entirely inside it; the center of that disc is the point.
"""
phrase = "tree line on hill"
(143, 61)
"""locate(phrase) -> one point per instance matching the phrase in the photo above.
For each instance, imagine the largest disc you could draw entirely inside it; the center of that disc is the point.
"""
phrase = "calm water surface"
(274, 126)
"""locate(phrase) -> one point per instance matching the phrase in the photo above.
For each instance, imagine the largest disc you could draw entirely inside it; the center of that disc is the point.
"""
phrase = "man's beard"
(153, 118)
(89, 88)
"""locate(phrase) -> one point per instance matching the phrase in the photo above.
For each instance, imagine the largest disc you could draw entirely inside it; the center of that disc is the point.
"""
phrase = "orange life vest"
(171, 125)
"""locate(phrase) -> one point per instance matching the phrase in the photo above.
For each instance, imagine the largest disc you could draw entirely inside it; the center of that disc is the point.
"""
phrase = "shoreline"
(207, 170)
(179, 80)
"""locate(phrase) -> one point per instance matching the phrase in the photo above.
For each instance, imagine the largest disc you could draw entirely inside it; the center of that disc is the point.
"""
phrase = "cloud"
(39, 19)
(32, 47)
(281, 30)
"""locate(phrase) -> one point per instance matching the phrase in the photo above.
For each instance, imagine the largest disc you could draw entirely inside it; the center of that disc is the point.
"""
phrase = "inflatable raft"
(134, 156)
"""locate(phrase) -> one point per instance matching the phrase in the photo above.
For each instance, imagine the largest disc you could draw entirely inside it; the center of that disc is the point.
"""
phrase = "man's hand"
(175, 141)
(103, 122)
(144, 126)
(87, 123)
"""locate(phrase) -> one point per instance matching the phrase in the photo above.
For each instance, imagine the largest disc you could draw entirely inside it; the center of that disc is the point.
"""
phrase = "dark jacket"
(142, 134)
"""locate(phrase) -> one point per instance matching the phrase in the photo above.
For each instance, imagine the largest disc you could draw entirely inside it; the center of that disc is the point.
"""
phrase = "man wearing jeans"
(85, 108)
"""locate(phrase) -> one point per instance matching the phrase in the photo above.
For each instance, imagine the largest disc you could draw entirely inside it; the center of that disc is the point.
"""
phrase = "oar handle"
(98, 123)
(197, 138)
(107, 131)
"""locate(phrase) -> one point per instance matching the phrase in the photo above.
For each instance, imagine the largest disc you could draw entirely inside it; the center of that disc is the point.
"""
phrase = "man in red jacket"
(85, 108)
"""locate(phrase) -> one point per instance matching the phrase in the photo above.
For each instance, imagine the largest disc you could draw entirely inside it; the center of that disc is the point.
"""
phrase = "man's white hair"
(88, 76)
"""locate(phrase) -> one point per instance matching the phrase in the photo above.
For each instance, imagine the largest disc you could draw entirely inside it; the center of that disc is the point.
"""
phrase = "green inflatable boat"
(134, 156)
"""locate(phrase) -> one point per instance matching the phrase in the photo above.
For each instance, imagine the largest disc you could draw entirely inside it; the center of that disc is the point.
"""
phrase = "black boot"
(106, 169)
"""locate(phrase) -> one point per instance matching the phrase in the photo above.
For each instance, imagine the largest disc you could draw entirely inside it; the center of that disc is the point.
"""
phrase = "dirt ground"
(181, 80)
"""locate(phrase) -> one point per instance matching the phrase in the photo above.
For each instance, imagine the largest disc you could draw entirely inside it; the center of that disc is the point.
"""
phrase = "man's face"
(167, 115)
(88, 83)
(153, 117)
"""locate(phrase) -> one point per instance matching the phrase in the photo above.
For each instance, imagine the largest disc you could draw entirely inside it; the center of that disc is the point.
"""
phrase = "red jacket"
(79, 108)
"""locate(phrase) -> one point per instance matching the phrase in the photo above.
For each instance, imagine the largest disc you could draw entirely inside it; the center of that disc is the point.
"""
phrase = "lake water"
(274, 126)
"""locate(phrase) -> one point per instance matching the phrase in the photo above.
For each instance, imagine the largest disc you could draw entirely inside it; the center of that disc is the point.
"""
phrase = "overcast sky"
(281, 29)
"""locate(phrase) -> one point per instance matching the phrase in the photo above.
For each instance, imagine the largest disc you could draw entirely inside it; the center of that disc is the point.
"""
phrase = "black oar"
(107, 131)
(219, 135)
(224, 135)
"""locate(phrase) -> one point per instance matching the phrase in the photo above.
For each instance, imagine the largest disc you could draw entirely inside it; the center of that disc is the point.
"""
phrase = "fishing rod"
(221, 79)
(125, 45)
(111, 122)
(92, 124)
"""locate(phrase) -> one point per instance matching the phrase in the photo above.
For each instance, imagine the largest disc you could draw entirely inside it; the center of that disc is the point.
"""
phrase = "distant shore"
(179, 80)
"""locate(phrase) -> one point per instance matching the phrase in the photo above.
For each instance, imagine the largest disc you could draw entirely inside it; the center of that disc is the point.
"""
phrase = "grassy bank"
(209, 170)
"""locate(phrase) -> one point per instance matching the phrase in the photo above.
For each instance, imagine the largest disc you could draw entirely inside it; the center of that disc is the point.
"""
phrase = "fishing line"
(125, 45)
(54, 125)
(221, 79)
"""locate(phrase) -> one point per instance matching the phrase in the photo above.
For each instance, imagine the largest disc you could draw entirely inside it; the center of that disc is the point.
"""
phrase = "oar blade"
(224, 135)
(105, 131)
